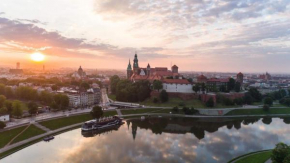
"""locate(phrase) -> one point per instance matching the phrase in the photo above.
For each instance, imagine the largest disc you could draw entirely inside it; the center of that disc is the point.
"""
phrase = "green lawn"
(7, 136)
(140, 111)
(62, 122)
(259, 111)
(174, 102)
(256, 158)
(112, 97)
(30, 132)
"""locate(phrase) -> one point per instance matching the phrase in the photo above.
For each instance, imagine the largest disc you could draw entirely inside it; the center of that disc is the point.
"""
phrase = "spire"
(136, 65)
(129, 66)
(148, 66)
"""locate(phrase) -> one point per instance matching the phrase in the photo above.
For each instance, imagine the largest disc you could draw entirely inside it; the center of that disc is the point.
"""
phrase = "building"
(177, 86)
(148, 73)
(4, 117)
(215, 84)
(17, 70)
(201, 79)
(80, 74)
(240, 78)
(84, 98)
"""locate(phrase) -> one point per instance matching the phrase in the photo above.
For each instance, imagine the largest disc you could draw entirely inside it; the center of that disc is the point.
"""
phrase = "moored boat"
(48, 138)
(101, 123)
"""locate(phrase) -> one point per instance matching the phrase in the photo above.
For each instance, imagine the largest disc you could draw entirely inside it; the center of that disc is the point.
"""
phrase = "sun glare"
(37, 57)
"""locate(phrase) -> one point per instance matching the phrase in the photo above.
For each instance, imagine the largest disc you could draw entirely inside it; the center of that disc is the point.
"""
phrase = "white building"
(77, 99)
(4, 117)
(177, 86)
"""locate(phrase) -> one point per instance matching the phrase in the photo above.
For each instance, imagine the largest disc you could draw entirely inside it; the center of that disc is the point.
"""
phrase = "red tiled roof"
(164, 73)
(201, 77)
(161, 69)
(176, 81)
(240, 73)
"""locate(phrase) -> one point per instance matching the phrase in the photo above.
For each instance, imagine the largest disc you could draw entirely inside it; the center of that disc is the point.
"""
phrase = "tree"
(2, 100)
(157, 85)
(268, 101)
(54, 87)
(85, 85)
(280, 152)
(248, 99)
(287, 159)
(32, 108)
(196, 87)
(231, 84)
(238, 87)
(97, 112)
(210, 102)
(17, 110)
(8, 106)
(163, 96)
(2, 125)
(113, 83)
(8, 92)
(257, 96)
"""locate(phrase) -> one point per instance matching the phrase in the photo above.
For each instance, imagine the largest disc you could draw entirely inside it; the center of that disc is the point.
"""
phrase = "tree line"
(127, 91)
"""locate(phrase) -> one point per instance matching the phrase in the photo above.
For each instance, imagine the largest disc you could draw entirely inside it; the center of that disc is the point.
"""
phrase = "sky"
(196, 35)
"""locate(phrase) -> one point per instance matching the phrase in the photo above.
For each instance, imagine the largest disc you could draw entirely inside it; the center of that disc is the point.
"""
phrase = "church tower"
(129, 70)
(148, 70)
(135, 65)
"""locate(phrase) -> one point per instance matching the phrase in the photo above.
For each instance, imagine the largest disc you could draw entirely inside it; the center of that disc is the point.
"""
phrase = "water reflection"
(161, 140)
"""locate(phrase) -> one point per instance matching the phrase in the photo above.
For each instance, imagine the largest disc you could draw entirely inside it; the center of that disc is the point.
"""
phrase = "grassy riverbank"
(259, 111)
(255, 157)
(66, 121)
(7, 136)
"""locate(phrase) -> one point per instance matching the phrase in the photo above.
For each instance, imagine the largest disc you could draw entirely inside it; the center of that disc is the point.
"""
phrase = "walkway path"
(16, 136)
(41, 127)
(6, 148)
(119, 112)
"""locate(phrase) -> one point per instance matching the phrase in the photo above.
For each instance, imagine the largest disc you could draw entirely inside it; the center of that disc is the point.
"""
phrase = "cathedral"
(158, 73)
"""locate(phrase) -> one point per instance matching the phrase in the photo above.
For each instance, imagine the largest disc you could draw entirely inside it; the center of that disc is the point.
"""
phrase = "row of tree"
(232, 85)
(127, 91)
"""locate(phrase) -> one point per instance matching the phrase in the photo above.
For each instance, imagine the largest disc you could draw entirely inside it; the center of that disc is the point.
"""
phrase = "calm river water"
(160, 140)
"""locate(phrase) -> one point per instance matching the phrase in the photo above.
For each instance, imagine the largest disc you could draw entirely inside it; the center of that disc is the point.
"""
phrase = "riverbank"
(35, 133)
(253, 157)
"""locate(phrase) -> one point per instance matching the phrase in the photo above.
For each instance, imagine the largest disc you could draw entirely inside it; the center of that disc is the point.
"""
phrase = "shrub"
(155, 100)
(163, 96)
(210, 102)
(175, 109)
(266, 108)
(268, 101)
(181, 104)
(280, 152)
(2, 125)
(287, 159)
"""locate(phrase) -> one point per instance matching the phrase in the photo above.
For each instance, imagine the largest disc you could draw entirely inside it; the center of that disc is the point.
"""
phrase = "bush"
(238, 101)
(210, 102)
(181, 104)
(287, 159)
(268, 101)
(280, 152)
(2, 125)
(189, 111)
(266, 108)
(175, 109)
(155, 100)
(97, 112)
(163, 96)
(227, 102)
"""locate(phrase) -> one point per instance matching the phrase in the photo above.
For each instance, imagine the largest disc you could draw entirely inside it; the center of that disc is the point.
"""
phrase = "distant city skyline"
(207, 36)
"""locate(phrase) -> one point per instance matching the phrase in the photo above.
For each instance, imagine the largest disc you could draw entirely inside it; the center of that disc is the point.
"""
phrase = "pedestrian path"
(41, 127)
(119, 112)
(16, 136)
(6, 148)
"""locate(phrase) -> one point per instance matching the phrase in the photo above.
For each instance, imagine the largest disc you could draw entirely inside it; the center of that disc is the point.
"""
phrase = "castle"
(151, 74)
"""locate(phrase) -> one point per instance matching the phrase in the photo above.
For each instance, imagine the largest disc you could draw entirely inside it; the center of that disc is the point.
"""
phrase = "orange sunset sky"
(196, 35)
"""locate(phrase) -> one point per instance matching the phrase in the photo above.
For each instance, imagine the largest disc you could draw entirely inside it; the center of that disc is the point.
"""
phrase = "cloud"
(17, 36)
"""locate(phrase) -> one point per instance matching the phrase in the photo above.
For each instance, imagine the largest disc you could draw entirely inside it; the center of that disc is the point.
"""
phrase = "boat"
(48, 138)
(101, 123)
(93, 133)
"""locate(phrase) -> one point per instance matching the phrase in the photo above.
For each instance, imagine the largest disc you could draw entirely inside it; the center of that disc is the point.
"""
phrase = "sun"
(37, 57)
